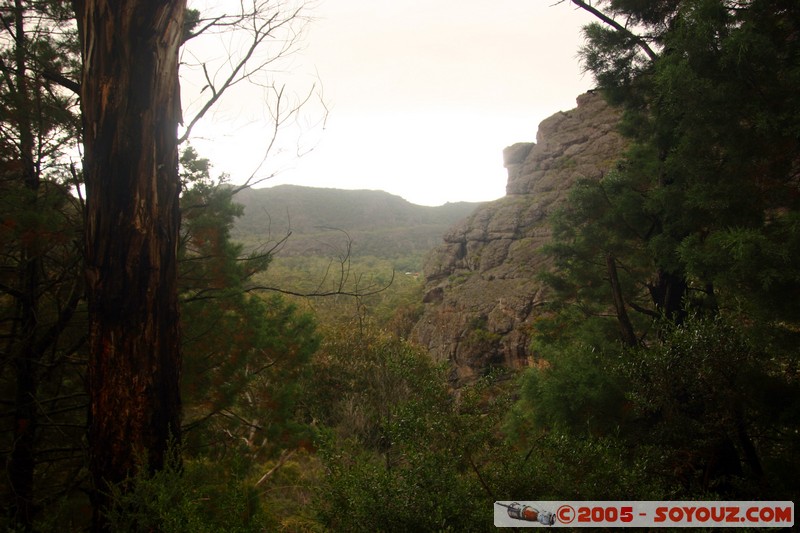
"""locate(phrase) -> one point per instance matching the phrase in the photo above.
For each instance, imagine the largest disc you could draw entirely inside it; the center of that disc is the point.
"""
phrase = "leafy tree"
(41, 283)
(690, 233)
(713, 119)
(719, 407)
(197, 496)
(41, 359)
(603, 267)
(401, 452)
(700, 212)
(707, 411)
(244, 354)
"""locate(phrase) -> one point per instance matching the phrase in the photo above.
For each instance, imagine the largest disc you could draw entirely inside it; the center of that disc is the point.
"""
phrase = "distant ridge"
(378, 223)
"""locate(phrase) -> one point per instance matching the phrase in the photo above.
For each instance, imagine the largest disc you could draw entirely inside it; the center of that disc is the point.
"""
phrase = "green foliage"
(43, 327)
(392, 457)
(193, 496)
(402, 452)
(688, 245)
(557, 466)
(707, 409)
(756, 264)
(243, 354)
(46, 52)
(713, 122)
(719, 406)
(601, 219)
(389, 296)
(359, 375)
(575, 392)
(42, 321)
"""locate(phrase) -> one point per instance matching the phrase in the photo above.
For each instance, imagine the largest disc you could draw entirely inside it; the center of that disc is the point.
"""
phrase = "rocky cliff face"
(481, 293)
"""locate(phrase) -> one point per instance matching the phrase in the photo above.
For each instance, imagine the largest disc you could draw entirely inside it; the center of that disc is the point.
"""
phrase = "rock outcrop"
(482, 291)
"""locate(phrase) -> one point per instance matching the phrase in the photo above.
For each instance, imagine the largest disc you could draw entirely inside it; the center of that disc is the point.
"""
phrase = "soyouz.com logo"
(643, 514)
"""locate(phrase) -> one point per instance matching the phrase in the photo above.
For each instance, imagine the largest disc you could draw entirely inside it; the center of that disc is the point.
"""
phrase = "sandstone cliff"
(481, 292)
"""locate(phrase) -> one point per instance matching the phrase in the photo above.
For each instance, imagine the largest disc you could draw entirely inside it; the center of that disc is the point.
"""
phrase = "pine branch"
(640, 42)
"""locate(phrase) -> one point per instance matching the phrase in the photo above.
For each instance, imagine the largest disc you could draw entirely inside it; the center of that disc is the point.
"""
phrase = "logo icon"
(530, 514)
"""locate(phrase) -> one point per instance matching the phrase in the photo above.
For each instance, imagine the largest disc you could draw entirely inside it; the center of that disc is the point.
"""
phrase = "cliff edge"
(481, 287)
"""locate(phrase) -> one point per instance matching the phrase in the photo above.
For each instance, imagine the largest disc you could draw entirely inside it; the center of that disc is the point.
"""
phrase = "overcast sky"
(421, 96)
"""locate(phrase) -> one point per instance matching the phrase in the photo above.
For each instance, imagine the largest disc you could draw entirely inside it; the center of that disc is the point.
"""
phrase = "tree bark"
(22, 461)
(131, 110)
(668, 293)
(625, 327)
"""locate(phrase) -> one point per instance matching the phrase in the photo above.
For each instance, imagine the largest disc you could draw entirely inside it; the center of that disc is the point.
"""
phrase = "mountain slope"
(482, 294)
(320, 220)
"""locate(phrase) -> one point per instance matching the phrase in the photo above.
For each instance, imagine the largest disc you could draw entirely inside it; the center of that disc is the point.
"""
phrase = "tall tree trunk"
(131, 110)
(23, 461)
(668, 293)
(625, 327)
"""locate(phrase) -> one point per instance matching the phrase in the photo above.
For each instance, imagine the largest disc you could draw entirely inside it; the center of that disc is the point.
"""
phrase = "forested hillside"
(170, 362)
(368, 244)
(378, 223)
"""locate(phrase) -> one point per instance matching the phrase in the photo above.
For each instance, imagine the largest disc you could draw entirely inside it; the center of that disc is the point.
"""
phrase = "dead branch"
(264, 24)
(343, 265)
(285, 456)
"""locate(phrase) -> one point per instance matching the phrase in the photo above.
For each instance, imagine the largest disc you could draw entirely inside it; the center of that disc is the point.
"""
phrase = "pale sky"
(421, 96)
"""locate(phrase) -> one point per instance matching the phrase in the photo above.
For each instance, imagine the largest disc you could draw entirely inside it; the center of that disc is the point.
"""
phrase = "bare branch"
(285, 456)
(260, 30)
(209, 23)
(344, 267)
(321, 294)
(257, 37)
